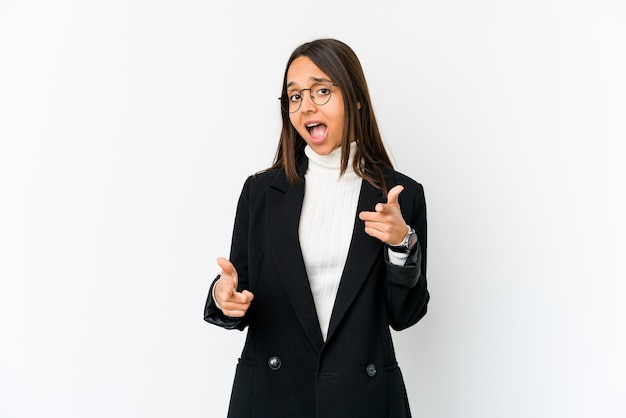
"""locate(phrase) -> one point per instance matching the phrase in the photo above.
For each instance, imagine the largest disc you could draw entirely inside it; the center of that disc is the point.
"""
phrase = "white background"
(127, 129)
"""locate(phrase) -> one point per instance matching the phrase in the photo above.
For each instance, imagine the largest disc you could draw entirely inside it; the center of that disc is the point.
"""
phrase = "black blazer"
(286, 369)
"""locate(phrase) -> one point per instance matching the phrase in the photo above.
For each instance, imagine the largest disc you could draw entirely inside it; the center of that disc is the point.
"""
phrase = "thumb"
(392, 196)
(228, 269)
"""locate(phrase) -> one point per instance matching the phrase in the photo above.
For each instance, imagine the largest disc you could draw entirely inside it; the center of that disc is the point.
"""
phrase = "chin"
(324, 148)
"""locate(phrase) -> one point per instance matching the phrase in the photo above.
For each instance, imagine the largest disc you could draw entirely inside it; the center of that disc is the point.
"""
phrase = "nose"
(307, 104)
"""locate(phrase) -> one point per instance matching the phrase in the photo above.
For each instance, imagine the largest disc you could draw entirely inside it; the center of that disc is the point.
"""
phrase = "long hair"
(339, 61)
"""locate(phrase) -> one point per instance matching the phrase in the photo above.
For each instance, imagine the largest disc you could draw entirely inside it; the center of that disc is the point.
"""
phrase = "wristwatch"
(407, 244)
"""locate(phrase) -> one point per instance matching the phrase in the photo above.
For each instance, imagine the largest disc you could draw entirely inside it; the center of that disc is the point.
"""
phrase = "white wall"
(120, 121)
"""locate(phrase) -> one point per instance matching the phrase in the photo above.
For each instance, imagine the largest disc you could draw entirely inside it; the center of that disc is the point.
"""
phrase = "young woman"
(328, 252)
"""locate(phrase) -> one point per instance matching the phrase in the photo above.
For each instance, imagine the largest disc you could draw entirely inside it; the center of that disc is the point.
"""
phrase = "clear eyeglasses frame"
(319, 92)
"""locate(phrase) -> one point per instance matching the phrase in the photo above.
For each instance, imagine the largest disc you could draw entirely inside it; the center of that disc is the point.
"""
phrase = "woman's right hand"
(232, 303)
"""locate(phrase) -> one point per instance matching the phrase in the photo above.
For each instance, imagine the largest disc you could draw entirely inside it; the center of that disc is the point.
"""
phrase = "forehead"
(303, 72)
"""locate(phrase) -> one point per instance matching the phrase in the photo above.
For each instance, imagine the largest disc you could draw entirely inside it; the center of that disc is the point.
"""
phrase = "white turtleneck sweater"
(326, 226)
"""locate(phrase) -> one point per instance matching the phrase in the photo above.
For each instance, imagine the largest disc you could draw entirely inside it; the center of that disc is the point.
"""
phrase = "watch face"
(412, 239)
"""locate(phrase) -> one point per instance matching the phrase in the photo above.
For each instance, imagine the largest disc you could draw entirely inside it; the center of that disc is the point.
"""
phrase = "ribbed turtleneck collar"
(330, 163)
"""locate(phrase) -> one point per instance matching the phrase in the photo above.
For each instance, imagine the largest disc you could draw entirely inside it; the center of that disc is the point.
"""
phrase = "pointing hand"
(386, 223)
(232, 302)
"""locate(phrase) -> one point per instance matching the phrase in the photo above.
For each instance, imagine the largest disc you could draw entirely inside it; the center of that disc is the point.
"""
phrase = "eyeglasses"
(320, 95)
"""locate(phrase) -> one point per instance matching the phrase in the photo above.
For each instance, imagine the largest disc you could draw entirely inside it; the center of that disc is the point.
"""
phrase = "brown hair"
(339, 61)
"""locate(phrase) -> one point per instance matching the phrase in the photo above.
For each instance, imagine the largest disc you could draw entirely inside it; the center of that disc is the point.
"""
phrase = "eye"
(322, 91)
(294, 97)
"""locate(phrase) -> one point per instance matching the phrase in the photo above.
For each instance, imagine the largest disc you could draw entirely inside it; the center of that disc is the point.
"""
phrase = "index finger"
(368, 216)
(227, 266)
(392, 196)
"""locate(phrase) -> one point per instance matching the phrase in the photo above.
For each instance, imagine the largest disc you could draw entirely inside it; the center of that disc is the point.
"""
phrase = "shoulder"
(406, 181)
(257, 183)
(393, 178)
(264, 177)
(276, 177)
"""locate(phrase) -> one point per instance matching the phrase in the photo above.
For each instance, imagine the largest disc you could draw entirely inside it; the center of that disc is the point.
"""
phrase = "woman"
(328, 252)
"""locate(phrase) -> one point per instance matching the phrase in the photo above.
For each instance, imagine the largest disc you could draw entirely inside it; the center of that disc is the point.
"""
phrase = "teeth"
(312, 125)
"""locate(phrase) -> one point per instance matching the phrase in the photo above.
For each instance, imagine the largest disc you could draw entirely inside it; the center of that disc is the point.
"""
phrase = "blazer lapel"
(284, 204)
(363, 253)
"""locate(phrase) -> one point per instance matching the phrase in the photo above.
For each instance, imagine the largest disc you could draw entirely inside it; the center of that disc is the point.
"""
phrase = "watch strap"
(407, 244)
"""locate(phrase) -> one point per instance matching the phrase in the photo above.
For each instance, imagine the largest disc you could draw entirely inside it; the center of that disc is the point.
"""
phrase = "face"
(320, 126)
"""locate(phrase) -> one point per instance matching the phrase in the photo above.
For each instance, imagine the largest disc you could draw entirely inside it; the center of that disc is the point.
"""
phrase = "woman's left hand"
(386, 223)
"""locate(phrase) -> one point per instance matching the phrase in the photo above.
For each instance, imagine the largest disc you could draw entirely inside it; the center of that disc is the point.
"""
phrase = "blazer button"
(274, 363)
(370, 370)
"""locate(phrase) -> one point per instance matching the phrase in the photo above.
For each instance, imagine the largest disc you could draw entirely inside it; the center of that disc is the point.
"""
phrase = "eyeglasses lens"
(319, 93)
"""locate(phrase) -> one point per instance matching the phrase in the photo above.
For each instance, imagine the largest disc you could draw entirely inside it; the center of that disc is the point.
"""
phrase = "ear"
(358, 105)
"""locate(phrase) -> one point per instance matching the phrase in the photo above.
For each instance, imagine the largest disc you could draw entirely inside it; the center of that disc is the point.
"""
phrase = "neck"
(330, 162)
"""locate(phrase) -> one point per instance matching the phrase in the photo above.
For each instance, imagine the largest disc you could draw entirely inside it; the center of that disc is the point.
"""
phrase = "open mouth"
(317, 130)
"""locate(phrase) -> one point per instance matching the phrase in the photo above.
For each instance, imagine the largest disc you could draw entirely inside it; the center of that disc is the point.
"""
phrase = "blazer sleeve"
(239, 258)
(406, 292)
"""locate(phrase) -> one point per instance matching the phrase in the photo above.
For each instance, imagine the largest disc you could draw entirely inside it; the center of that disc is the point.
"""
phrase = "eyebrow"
(315, 79)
